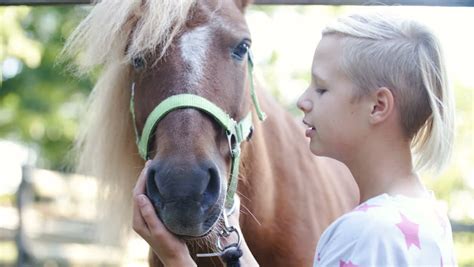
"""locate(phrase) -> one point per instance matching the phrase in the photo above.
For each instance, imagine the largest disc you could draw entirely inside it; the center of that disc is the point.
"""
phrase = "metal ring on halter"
(233, 145)
(226, 233)
(230, 211)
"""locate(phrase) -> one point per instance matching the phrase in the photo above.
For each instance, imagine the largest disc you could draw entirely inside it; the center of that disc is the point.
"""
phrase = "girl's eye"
(320, 91)
(241, 50)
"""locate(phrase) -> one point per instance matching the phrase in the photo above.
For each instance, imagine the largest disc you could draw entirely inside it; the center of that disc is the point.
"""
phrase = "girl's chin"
(316, 150)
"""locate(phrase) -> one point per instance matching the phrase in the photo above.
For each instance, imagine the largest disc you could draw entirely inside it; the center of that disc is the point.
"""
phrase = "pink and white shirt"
(388, 231)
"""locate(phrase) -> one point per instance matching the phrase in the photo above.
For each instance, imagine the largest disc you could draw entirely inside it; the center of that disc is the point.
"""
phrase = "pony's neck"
(258, 181)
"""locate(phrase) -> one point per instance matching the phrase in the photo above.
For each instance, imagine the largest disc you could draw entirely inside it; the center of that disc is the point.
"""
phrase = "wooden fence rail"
(454, 3)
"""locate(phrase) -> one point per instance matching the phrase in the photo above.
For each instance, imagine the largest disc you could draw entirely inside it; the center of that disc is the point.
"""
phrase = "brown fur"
(288, 195)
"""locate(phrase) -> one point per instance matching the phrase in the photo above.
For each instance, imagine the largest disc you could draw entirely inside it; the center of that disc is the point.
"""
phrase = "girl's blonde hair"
(403, 55)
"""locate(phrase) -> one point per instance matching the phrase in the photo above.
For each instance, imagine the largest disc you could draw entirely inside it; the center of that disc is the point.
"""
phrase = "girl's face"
(337, 120)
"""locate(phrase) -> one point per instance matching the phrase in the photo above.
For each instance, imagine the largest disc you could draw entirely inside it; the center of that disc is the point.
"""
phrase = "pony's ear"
(242, 4)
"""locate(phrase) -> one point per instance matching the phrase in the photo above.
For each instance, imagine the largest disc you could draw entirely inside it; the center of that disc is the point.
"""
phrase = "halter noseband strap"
(237, 132)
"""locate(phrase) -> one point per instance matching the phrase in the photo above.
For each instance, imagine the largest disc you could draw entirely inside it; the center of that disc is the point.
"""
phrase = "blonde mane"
(112, 34)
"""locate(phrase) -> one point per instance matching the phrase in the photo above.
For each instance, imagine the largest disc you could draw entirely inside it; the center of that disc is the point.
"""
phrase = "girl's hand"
(171, 250)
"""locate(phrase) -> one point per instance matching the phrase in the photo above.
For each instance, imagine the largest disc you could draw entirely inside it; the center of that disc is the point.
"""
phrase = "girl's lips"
(310, 132)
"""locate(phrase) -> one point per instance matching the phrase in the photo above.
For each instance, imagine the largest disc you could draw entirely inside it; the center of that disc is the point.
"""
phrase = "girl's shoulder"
(386, 211)
(374, 215)
(392, 219)
(408, 230)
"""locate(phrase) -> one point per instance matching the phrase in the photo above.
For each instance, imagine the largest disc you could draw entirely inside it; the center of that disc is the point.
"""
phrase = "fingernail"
(141, 200)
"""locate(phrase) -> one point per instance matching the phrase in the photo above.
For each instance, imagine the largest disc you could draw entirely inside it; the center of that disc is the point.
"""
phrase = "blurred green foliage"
(464, 247)
(39, 100)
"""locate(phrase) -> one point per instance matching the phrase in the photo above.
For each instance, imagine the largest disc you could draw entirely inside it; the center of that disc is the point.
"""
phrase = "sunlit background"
(40, 105)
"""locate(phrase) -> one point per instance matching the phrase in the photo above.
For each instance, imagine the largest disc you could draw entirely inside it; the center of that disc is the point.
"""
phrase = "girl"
(378, 102)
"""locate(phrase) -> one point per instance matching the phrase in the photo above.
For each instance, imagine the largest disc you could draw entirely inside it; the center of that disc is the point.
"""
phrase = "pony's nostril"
(212, 190)
(152, 189)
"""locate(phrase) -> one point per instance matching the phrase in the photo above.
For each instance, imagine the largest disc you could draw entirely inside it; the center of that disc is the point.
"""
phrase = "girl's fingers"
(140, 185)
(147, 214)
(146, 223)
(138, 223)
(155, 226)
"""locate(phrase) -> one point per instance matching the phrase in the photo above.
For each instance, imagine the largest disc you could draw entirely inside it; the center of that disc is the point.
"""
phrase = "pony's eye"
(138, 63)
(241, 50)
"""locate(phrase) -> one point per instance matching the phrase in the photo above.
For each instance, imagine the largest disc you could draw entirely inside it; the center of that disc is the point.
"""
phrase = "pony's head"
(158, 49)
(187, 178)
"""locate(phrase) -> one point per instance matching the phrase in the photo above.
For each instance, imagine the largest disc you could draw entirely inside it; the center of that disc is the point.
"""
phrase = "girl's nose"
(304, 104)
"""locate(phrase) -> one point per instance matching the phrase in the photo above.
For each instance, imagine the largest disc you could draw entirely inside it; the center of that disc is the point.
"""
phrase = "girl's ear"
(242, 4)
(383, 105)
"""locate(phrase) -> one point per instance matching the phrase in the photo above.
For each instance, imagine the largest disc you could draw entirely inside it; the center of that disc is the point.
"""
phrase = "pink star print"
(364, 207)
(347, 264)
(410, 231)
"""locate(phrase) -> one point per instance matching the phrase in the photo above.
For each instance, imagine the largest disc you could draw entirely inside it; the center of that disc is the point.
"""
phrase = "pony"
(150, 50)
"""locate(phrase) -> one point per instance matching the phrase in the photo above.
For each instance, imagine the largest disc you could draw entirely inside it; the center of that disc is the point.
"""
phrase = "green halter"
(236, 132)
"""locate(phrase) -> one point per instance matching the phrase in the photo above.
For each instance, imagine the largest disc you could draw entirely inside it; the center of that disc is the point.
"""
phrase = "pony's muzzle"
(185, 196)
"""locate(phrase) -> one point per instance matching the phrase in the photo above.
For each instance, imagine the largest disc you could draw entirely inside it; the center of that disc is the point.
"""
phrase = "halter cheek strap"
(236, 132)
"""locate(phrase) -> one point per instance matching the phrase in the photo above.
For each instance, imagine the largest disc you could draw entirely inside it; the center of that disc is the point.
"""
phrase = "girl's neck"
(386, 169)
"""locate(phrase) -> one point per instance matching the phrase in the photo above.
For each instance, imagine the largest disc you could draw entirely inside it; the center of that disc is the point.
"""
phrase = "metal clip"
(226, 233)
(222, 250)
